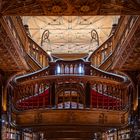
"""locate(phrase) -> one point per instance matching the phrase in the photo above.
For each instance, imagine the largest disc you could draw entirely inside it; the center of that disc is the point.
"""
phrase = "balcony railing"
(67, 88)
(40, 94)
(37, 53)
(102, 53)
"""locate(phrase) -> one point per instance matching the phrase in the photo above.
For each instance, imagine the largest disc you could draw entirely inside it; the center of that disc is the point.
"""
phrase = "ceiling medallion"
(56, 9)
(85, 8)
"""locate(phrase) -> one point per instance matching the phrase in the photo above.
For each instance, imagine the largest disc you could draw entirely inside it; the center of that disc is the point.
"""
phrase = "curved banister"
(87, 68)
(36, 52)
(102, 52)
(75, 77)
(108, 75)
(101, 46)
(33, 75)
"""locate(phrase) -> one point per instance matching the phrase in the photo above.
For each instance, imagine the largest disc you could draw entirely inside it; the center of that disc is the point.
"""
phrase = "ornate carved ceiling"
(70, 34)
(69, 7)
(11, 57)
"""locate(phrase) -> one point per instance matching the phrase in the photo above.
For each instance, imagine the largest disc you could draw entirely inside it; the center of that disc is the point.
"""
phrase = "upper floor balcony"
(70, 85)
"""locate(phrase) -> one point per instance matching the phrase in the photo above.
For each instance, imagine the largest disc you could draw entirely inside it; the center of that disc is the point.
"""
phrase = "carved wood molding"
(126, 57)
(70, 117)
(70, 7)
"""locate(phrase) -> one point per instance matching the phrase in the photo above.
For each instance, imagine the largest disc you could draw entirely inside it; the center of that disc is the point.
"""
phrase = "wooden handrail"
(112, 76)
(102, 52)
(37, 53)
(71, 68)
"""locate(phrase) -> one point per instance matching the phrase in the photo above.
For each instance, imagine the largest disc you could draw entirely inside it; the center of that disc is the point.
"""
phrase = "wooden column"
(87, 94)
(21, 135)
(87, 68)
(37, 136)
(3, 100)
(0, 111)
(52, 68)
(52, 94)
(138, 112)
(138, 91)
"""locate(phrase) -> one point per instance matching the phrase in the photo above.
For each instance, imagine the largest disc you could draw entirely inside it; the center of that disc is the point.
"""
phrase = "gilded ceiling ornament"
(56, 6)
(85, 8)
(56, 9)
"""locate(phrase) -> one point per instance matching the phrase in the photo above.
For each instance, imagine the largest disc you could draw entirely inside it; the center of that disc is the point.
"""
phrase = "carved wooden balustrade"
(69, 67)
(103, 53)
(71, 79)
(35, 56)
(103, 56)
(63, 67)
(37, 53)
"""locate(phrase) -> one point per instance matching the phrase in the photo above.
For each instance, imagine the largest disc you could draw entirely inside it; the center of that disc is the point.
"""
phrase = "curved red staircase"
(105, 101)
(98, 100)
(37, 101)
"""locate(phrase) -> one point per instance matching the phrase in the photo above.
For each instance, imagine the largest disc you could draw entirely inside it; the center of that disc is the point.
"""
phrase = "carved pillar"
(138, 91)
(87, 94)
(87, 68)
(117, 135)
(2, 127)
(21, 135)
(52, 94)
(135, 122)
(52, 69)
(36, 136)
(138, 112)
(0, 110)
